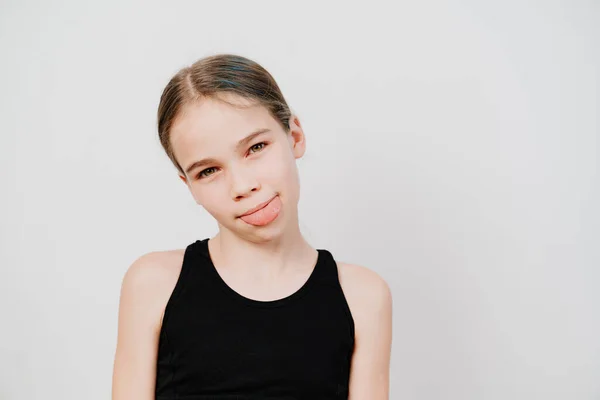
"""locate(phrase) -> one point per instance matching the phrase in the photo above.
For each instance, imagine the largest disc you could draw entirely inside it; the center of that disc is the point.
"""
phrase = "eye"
(204, 173)
(259, 145)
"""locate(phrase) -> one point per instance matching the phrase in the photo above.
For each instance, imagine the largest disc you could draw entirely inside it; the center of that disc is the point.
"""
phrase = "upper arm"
(144, 290)
(370, 301)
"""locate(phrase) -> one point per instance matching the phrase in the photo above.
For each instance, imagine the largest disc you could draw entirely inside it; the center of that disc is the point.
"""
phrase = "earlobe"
(299, 145)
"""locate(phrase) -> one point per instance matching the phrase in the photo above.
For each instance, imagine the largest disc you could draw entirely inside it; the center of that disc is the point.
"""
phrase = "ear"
(297, 137)
(183, 178)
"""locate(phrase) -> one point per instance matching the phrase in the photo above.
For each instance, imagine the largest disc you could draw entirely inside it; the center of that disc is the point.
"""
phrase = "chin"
(266, 233)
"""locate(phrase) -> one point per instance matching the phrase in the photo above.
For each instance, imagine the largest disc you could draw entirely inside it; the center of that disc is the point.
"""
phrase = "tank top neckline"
(304, 289)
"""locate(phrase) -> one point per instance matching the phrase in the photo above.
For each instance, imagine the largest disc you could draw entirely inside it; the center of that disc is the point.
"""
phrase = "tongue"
(264, 215)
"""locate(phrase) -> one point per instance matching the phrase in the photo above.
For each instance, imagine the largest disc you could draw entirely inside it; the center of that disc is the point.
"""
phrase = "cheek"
(211, 199)
(278, 169)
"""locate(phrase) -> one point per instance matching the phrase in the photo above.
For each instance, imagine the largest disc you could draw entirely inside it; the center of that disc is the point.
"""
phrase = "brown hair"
(214, 75)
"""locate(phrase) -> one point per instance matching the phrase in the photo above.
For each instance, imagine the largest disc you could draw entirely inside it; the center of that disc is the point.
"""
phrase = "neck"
(269, 259)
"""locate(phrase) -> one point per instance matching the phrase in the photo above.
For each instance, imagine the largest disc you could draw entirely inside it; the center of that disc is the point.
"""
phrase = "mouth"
(257, 208)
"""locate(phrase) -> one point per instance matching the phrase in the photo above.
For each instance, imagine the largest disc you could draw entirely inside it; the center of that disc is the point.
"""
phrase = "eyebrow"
(242, 143)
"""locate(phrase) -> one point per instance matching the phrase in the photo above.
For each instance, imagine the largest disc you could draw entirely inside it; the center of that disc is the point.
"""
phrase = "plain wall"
(452, 148)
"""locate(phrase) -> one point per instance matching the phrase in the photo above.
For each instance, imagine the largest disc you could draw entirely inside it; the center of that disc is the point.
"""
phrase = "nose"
(242, 182)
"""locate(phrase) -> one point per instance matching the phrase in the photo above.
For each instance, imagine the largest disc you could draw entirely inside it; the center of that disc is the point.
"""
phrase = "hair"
(210, 77)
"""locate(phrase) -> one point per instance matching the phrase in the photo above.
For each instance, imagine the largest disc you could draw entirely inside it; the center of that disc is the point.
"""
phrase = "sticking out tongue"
(265, 215)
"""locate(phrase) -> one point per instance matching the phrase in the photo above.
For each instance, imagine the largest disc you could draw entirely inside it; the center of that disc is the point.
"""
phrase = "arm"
(134, 372)
(372, 311)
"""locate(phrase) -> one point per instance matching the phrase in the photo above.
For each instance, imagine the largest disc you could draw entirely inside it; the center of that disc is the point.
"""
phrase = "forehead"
(212, 125)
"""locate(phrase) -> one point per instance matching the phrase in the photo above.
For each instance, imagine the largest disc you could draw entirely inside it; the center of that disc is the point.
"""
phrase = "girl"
(254, 312)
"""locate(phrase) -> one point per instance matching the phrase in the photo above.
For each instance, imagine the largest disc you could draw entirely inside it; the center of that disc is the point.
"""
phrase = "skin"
(261, 263)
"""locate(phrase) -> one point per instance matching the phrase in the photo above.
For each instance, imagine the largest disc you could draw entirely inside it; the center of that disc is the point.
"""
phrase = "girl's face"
(236, 159)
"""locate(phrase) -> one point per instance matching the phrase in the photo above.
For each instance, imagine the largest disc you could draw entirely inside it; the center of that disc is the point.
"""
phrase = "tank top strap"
(200, 249)
(199, 260)
(327, 272)
(189, 260)
(185, 275)
(328, 275)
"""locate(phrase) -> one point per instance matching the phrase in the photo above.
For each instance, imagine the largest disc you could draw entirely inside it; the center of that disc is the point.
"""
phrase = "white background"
(452, 148)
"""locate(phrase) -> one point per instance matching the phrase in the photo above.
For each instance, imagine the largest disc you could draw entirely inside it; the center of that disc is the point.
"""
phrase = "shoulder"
(367, 292)
(370, 301)
(144, 292)
(363, 280)
(152, 266)
(150, 280)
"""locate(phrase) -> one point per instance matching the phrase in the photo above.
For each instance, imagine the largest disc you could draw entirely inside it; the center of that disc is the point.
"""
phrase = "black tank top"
(217, 344)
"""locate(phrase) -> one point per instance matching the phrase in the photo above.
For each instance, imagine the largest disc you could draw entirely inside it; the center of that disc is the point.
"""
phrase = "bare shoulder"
(145, 290)
(365, 290)
(370, 301)
(363, 280)
(156, 264)
(151, 279)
